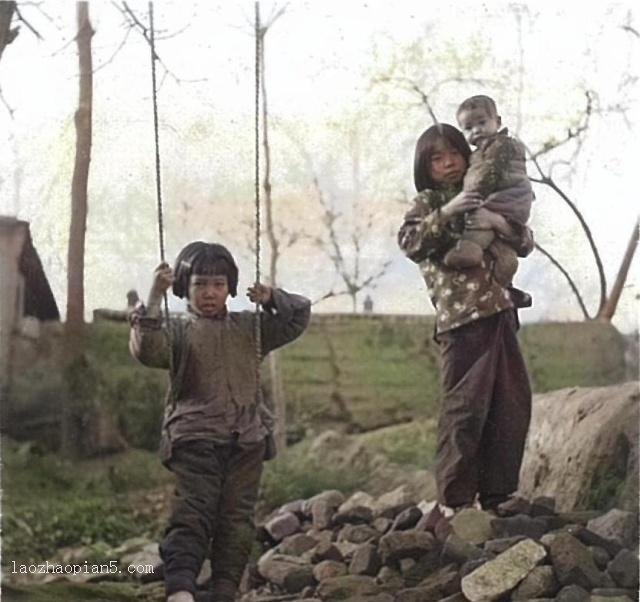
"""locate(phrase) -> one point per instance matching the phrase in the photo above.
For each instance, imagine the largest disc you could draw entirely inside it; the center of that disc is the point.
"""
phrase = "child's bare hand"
(162, 279)
(461, 203)
(259, 293)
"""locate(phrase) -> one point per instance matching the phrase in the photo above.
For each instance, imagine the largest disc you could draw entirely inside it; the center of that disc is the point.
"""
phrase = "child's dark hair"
(425, 148)
(209, 259)
(479, 101)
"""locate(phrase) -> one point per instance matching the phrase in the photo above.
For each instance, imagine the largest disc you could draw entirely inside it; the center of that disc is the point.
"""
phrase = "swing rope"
(258, 332)
(157, 148)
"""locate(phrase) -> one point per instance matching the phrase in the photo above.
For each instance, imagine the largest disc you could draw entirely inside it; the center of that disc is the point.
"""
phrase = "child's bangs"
(206, 265)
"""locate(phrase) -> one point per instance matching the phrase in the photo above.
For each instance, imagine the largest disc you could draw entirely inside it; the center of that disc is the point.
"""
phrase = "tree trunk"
(609, 309)
(277, 391)
(75, 258)
(7, 35)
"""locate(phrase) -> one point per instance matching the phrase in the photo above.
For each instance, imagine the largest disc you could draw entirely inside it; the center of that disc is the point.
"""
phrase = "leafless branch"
(572, 284)
(116, 51)
(30, 27)
(6, 104)
(631, 30)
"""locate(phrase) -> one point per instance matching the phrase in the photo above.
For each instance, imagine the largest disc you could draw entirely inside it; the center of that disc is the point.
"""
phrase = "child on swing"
(497, 165)
(216, 433)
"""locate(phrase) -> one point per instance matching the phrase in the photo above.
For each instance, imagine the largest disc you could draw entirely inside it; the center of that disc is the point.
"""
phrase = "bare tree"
(75, 257)
(7, 32)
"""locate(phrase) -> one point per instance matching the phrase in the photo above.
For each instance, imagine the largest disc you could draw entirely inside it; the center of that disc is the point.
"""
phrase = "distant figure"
(132, 298)
(367, 306)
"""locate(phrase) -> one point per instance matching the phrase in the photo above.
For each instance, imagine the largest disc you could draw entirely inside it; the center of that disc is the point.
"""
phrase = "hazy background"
(333, 117)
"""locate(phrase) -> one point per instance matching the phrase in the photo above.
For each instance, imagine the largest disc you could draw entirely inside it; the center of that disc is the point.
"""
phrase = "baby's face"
(477, 124)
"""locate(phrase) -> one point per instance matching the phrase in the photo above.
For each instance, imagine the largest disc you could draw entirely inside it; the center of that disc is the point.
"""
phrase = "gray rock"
(593, 598)
(589, 538)
(498, 576)
(458, 597)
(358, 534)
(348, 586)
(295, 507)
(471, 565)
(456, 549)
(472, 525)
(624, 569)
(332, 496)
(297, 544)
(382, 524)
(282, 525)
(618, 525)
(415, 571)
(347, 549)
(357, 500)
(288, 572)
(497, 546)
(390, 504)
(572, 593)
(520, 524)
(541, 582)
(542, 506)
(148, 555)
(389, 579)
(418, 594)
(353, 515)
(322, 512)
(446, 580)
(327, 569)
(365, 561)
(405, 544)
(600, 557)
(614, 592)
(325, 550)
(572, 562)
(407, 519)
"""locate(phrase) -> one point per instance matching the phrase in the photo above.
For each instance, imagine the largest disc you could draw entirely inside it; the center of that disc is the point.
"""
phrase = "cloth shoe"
(183, 596)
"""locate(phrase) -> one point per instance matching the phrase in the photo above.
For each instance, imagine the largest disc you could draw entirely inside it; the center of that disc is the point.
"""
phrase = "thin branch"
(631, 30)
(116, 51)
(6, 104)
(572, 284)
(30, 27)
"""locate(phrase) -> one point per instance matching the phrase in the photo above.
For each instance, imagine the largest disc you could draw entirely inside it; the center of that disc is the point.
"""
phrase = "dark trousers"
(485, 413)
(212, 511)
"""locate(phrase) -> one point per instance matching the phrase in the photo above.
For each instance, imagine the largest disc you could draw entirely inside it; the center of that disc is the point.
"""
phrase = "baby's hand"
(260, 293)
(461, 203)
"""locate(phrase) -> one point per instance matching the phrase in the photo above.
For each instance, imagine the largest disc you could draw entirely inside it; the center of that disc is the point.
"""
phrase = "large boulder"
(582, 447)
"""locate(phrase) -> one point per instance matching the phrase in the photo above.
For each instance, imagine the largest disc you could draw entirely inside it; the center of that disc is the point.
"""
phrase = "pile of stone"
(386, 549)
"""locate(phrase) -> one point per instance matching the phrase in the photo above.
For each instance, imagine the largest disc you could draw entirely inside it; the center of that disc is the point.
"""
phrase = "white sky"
(320, 59)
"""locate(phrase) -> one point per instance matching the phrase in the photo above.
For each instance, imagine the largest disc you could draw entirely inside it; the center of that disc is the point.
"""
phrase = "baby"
(498, 173)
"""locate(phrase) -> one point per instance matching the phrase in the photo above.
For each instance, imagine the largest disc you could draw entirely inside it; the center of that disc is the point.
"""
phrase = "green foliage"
(412, 444)
(295, 475)
(49, 503)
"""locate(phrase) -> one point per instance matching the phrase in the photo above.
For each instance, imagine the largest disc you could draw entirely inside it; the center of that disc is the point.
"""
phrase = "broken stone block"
(446, 580)
(353, 515)
(348, 586)
(357, 500)
(624, 569)
(415, 571)
(618, 525)
(498, 576)
(541, 582)
(520, 524)
(365, 561)
(392, 503)
(456, 549)
(407, 519)
(382, 524)
(322, 512)
(332, 496)
(288, 572)
(327, 569)
(296, 545)
(572, 593)
(282, 525)
(542, 506)
(589, 538)
(600, 556)
(389, 579)
(497, 546)
(405, 544)
(572, 562)
(472, 525)
(358, 534)
(325, 550)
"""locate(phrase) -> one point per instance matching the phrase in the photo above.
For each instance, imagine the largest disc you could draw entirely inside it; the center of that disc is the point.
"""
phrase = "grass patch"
(412, 444)
(50, 503)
